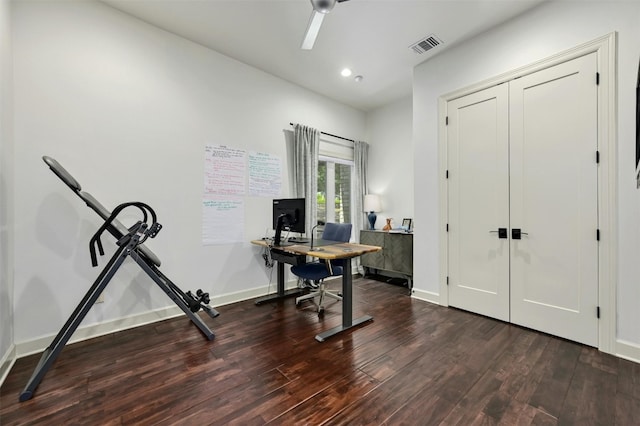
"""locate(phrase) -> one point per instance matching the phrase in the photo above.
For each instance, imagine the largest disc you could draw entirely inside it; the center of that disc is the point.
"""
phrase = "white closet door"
(553, 170)
(478, 160)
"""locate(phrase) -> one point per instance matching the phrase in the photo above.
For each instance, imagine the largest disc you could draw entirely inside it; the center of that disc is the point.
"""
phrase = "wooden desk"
(329, 252)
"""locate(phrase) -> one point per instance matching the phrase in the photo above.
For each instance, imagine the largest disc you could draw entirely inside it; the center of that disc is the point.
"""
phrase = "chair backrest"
(337, 232)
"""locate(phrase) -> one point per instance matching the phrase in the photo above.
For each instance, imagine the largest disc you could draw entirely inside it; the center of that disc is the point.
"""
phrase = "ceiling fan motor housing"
(323, 6)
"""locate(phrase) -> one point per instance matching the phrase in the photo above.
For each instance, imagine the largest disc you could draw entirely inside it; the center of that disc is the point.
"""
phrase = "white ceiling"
(372, 37)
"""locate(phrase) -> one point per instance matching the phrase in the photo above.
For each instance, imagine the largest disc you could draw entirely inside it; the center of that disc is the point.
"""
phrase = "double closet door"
(523, 201)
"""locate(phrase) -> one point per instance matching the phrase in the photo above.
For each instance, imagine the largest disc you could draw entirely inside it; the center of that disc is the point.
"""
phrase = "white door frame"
(605, 48)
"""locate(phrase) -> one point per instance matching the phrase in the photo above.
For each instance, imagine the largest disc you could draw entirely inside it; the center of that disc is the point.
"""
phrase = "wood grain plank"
(415, 364)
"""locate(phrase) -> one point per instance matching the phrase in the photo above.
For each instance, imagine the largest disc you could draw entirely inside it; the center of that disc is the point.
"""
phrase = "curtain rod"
(335, 136)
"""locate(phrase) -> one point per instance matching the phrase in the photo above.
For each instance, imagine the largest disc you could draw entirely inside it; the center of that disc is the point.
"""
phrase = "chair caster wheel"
(320, 311)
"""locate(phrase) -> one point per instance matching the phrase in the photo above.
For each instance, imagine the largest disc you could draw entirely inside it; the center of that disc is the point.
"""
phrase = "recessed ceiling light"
(346, 72)
(358, 78)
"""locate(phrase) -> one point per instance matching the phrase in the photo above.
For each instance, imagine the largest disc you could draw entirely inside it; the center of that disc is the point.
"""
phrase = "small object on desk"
(283, 244)
(387, 227)
(399, 231)
(298, 240)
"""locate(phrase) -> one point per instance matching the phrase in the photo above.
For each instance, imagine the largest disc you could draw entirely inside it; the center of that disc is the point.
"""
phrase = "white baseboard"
(7, 361)
(427, 296)
(38, 345)
(628, 350)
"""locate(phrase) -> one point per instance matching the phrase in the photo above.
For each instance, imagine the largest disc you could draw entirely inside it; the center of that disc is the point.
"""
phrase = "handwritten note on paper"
(222, 221)
(265, 175)
(224, 170)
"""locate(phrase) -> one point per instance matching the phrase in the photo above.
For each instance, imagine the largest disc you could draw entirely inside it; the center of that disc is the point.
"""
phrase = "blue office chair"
(316, 272)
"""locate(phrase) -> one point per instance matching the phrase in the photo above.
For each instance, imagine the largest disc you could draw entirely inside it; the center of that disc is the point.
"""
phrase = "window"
(334, 190)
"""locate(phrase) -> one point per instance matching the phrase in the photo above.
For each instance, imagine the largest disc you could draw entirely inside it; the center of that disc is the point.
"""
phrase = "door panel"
(478, 159)
(553, 181)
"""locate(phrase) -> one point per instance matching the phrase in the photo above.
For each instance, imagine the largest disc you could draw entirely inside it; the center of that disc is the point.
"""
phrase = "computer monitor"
(288, 214)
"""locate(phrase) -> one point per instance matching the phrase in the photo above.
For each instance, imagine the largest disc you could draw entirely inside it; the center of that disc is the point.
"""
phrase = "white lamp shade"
(372, 203)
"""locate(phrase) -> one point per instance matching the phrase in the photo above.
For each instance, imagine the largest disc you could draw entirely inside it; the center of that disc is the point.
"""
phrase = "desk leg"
(281, 292)
(347, 306)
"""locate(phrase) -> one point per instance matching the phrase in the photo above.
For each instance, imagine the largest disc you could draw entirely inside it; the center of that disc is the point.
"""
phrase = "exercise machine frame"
(128, 244)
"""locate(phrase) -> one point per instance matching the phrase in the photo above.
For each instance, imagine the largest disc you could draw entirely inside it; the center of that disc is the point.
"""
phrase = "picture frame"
(407, 224)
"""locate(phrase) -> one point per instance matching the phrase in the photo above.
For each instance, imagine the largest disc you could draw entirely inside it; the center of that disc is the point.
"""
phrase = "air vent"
(426, 44)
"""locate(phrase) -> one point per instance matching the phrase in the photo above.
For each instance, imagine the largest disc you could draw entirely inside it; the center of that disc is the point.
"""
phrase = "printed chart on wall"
(224, 189)
(225, 177)
(222, 220)
(224, 170)
(265, 175)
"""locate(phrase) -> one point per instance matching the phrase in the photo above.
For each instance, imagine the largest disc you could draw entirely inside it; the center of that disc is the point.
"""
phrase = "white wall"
(389, 133)
(6, 185)
(6, 190)
(127, 108)
(545, 31)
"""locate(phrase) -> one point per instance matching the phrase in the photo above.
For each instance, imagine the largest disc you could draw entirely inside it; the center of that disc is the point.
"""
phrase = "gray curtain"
(306, 142)
(360, 162)
(361, 166)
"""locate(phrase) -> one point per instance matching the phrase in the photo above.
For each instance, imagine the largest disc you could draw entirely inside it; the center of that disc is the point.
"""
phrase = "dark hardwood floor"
(415, 364)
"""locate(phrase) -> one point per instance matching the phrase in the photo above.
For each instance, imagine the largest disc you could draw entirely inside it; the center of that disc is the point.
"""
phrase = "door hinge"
(598, 311)
(597, 79)
(447, 227)
(447, 174)
(447, 280)
(446, 120)
(598, 234)
(597, 157)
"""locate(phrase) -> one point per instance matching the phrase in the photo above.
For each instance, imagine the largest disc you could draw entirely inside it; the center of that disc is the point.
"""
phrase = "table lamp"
(372, 205)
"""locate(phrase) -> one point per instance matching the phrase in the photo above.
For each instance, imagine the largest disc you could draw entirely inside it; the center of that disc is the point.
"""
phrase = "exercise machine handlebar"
(138, 233)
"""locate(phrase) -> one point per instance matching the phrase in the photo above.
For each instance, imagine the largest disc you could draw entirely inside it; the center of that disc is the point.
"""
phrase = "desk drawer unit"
(290, 258)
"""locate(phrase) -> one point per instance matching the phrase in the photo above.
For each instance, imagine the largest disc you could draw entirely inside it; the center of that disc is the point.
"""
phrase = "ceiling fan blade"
(312, 30)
